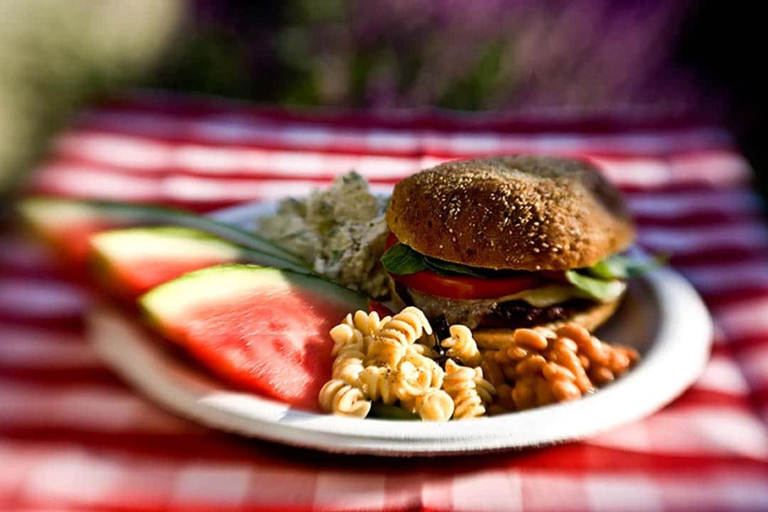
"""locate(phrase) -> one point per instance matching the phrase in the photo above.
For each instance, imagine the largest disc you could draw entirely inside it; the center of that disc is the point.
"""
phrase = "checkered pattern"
(72, 437)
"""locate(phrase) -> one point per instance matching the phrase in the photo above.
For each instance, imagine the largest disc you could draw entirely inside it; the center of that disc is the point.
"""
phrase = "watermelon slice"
(262, 329)
(66, 226)
(132, 261)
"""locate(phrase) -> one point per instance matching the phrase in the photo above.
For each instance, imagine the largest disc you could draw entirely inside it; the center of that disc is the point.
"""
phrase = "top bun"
(516, 212)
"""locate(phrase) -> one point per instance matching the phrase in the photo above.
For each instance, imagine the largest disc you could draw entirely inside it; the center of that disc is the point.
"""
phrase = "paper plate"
(661, 316)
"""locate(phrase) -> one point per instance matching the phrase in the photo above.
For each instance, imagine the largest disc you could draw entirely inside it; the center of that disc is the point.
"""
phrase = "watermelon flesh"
(132, 261)
(262, 329)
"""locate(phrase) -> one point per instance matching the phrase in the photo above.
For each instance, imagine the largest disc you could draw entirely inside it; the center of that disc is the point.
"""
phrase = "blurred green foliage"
(56, 54)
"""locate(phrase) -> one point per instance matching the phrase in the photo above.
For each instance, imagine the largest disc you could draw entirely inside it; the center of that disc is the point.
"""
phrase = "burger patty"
(521, 314)
(489, 313)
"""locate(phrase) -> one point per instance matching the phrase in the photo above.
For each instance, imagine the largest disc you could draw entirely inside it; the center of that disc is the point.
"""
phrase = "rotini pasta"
(377, 384)
(460, 384)
(434, 405)
(348, 365)
(417, 375)
(406, 327)
(338, 397)
(344, 335)
(390, 344)
(369, 324)
(461, 346)
(385, 352)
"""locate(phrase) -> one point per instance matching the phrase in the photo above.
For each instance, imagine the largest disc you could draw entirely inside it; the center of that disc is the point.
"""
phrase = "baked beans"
(539, 366)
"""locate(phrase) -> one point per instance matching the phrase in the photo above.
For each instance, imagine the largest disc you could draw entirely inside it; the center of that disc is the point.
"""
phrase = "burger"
(510, 242)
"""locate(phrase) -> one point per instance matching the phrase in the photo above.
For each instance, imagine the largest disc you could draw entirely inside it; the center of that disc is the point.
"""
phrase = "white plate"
(662, 317)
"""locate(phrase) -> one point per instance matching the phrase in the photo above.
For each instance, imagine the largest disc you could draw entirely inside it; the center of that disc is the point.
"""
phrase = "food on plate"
(434, 405)
(383, 365)
(498, 270)
(392, 360)
(262, 329)
(340, 232)
(133, 260)
(510, 242)
(462, 346)
(469, 390)
(539, 366)
(336, 395)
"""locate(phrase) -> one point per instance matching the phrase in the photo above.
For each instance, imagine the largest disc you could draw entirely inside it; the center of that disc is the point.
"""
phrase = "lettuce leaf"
(448, 268)
(600, 280)
(391, 412)
(617, 266)
(595, 288)
(400, 259)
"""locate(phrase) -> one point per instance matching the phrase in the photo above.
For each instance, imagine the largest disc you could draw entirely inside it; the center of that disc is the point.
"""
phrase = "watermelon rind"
(48, 219)
(169, 303)
(161, 241)
(175, 242)
(39, 212)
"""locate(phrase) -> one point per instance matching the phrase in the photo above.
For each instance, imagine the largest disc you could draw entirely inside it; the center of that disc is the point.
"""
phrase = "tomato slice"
(391, 240)
(463, 287)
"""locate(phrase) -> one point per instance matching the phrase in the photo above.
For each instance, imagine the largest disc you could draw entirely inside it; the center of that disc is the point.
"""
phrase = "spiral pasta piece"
(348, 365)
(369, 324)
(406, 327)
(485, 389)
(339, 398)
(434, 405)
(344, 335)
(416, 375)
(376, 383)
(460, 384)
(462, 346)
(385, 352)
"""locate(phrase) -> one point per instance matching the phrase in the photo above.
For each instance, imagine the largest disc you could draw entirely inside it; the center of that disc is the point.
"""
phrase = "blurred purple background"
(653, 56)
(485, 54)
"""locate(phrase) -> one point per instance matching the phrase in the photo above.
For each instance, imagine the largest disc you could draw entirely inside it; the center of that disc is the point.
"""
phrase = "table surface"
(73, 437)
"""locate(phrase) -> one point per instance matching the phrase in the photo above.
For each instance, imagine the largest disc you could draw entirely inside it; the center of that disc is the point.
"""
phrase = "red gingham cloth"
(73, 437)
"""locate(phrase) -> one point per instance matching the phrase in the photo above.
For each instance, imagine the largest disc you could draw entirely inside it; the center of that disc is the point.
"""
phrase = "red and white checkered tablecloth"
(73, 437)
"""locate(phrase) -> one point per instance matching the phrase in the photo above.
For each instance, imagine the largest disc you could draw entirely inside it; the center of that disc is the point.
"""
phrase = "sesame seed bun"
(516, 212)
